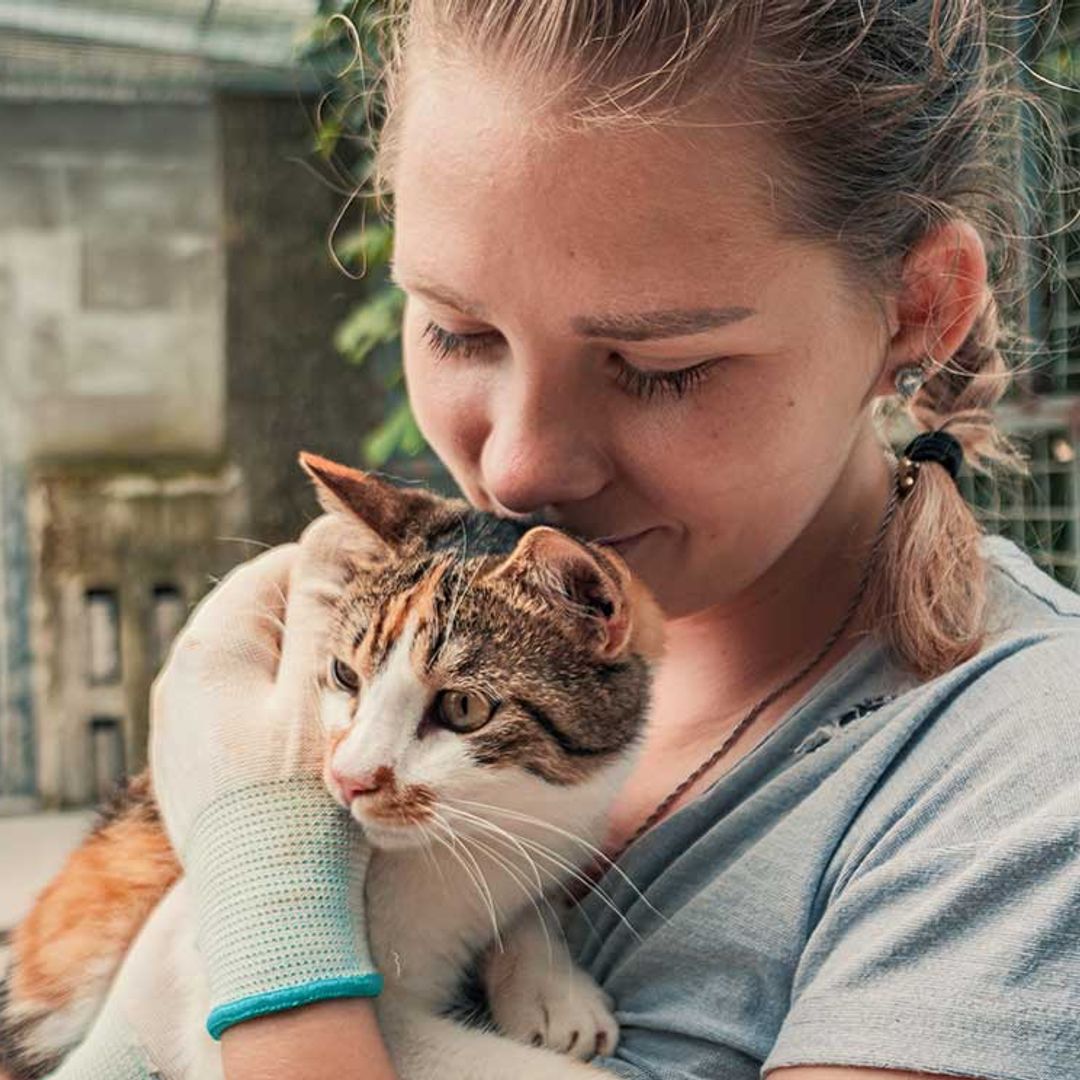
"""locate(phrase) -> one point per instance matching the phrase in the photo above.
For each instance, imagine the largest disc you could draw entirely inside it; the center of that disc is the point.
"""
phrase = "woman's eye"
(446, 343)
(647, 384)
(343, 676)
(642, 384)
(462, 712)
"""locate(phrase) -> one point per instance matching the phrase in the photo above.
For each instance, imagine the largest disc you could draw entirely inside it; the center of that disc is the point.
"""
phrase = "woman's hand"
(275, 865)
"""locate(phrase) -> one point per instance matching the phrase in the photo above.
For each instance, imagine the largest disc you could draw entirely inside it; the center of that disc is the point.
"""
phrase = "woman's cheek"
(450, 407)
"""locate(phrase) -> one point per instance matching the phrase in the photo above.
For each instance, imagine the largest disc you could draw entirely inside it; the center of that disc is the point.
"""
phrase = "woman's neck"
(721, 661)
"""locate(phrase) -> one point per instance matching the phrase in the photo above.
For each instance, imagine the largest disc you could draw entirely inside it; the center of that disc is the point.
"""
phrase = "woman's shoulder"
(1029, 663)
(946, 898)
(1005, 721)
(1030, 656)
(1023, 596)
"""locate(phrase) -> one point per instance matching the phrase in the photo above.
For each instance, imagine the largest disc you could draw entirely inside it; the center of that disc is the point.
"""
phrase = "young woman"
(665, 261)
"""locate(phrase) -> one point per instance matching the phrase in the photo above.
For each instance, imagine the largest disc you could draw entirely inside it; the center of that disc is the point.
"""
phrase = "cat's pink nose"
(367, 783)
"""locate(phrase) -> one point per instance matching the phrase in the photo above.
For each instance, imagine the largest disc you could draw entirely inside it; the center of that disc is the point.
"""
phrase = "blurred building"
(167, 308)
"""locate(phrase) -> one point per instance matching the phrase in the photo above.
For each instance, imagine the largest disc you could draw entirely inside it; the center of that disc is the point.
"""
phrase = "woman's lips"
(626, 543)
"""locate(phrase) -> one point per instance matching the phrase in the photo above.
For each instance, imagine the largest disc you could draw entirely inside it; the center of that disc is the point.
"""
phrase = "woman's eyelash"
(641, 384)
(674, 383)
(445, 343)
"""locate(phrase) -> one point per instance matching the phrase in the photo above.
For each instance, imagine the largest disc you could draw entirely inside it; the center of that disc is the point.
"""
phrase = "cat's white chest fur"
(426, 922)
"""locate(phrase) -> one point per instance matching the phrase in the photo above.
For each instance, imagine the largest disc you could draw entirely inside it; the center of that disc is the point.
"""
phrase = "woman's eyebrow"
(636, 326)
(665, 323)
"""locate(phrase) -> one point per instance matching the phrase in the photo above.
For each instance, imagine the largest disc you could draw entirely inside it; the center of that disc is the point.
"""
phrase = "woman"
(664, 263)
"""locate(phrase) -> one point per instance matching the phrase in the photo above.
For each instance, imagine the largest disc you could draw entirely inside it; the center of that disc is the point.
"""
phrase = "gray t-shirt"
(890, 879)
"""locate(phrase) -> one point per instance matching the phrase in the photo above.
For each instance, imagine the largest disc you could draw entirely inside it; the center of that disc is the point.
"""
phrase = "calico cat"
(518, 660)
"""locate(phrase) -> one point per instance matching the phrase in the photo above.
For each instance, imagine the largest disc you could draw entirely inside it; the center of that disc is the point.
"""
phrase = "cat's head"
(478, 666)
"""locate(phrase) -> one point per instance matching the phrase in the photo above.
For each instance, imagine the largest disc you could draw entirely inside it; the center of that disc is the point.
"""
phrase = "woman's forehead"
(470, 145)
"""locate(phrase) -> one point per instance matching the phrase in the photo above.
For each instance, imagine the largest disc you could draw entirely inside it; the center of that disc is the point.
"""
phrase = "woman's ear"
(943, 291)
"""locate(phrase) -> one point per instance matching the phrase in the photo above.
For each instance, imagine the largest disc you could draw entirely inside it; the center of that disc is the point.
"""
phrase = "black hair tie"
(937, 446)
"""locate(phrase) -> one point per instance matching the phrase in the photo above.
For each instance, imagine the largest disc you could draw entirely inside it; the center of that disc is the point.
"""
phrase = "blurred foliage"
(343, 39)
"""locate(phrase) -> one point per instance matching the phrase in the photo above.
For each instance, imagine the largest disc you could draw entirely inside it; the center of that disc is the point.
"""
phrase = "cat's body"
(487, 688)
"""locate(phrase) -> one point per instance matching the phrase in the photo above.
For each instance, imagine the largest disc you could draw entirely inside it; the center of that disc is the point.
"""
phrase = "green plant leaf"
(412, 441)
(375, 322)
(369, 247)
(380, 445)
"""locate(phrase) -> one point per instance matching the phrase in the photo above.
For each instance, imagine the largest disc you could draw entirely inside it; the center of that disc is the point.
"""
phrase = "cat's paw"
(563, 1010)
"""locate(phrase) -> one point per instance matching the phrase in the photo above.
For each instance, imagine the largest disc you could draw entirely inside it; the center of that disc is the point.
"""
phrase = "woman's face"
(604, 328)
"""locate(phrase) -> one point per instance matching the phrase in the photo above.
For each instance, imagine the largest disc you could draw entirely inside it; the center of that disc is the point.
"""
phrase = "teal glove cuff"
(225, 1016)
(109, 1052)
(278, 873)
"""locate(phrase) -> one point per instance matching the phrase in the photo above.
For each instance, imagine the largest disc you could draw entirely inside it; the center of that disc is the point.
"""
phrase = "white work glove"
(275, 865)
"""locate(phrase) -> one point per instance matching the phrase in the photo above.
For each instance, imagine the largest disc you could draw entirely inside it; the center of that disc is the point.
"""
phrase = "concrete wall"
(149, 539)
(18, 778)
(111, 280)
(167, 309)
(287, 388)
(112, 303)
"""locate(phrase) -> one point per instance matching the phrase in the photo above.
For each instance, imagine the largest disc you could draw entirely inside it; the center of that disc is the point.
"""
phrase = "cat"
(519, 658)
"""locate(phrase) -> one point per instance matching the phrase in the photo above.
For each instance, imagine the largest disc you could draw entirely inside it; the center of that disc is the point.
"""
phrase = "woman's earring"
(908, 381)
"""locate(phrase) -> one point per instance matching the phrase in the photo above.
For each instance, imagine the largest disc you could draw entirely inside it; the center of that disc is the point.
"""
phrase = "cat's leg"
(427, 1047)
(539, 996)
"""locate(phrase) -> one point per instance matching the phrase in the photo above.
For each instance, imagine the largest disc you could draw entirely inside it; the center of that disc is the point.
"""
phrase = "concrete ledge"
(18, 806)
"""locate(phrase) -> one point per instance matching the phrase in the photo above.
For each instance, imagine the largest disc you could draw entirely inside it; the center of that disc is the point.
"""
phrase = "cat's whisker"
(519, 842)
(456, 604)
(429, 855)
(490, 826)
(244, 540)
(577, 875)
(599, 855)
(268, 615)
(481, 886)
(558, 882)
(573, 872)
(480, 880)
(515, 876)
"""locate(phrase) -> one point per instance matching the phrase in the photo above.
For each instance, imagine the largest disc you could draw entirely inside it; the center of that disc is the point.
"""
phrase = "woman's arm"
(333, 1040)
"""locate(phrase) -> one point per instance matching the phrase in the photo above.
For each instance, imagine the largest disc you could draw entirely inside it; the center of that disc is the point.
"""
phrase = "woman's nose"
(542, 450)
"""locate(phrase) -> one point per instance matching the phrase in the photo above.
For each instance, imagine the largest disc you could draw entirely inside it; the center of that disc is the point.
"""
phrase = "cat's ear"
(591, 585)
(394, 515)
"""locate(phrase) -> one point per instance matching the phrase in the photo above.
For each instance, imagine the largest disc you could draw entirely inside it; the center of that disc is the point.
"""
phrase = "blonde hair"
(890, 117)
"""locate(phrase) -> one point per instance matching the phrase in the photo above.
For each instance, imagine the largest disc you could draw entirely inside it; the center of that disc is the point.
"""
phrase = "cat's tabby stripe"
(566, 744)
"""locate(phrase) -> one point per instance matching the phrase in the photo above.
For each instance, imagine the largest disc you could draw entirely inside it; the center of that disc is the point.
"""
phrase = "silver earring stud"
(908, 381)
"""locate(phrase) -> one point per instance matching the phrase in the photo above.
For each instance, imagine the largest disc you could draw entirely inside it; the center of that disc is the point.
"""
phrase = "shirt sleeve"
(949, 940)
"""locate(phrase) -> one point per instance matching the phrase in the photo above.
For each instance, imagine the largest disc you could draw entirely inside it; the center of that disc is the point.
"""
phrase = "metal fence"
(1042, 512)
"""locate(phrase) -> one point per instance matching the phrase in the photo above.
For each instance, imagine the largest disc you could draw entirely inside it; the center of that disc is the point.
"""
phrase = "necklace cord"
(661, 810)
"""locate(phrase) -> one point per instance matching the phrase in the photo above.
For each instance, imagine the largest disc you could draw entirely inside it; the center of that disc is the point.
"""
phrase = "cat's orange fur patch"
(88, 915)
(419, 600)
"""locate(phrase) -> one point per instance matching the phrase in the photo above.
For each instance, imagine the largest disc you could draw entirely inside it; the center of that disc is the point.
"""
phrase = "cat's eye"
(343, 677)
(461, 711)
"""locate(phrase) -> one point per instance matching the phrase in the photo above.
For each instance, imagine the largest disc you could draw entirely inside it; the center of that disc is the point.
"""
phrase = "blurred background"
(190, 294)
